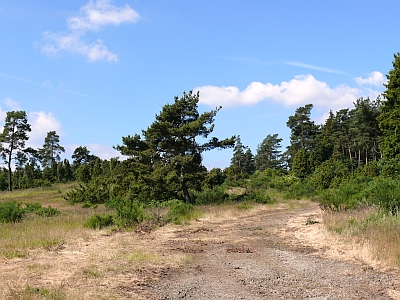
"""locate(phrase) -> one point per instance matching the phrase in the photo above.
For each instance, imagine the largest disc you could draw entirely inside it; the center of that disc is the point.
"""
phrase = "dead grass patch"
(371, 229)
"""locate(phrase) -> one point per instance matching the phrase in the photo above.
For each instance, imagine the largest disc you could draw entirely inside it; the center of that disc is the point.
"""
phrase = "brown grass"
(370, 229)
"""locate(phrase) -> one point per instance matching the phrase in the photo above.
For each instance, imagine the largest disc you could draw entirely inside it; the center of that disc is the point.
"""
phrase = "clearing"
(279, 251)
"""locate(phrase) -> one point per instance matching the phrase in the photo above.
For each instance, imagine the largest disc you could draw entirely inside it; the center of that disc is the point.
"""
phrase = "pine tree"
(303, 131)
(171, 145)
(248, 164)
(238, 157)
(50, 153)
(13, 138)
(268, 153)
(389, 120)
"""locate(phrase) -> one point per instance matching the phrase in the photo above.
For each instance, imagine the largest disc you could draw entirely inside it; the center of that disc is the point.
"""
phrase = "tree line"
(27, 167)
(367, 134)
(164, 161)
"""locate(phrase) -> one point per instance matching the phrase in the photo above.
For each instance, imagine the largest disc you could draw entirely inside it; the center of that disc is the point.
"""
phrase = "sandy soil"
(273, 252)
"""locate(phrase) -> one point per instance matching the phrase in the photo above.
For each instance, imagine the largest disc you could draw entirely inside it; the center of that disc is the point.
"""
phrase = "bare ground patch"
(268, 252)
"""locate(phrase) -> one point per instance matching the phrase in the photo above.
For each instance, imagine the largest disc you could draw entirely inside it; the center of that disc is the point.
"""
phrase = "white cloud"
(100, 13)
(300, 90)
(375, 78)
(13, 105)
(93, 17)
(41, 123)
(103, 151)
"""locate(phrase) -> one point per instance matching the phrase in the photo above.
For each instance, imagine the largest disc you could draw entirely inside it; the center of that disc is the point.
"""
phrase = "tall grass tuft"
(370, 227)
(180, 212)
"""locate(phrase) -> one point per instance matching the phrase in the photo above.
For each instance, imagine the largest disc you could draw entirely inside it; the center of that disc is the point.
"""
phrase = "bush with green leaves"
(304, 188)
(11, 212)
(41, 211)
(384, 193)
(47, 212)
(179, 211)
(96, 191)
(329, 174)
(389, 167)
(260, 179)
(258, 196)
(99, 221)
(216, 195)
(128, 210)
(371, 169)
(32, 207)
(349, 195)
(283, 182)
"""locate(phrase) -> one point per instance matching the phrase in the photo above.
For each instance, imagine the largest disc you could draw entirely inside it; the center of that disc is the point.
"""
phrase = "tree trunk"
(186, 194)
(9, 173)
(350, 153)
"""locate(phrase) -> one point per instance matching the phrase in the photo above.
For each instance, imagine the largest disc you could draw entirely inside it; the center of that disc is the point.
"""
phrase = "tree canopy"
(13, 138)
(50, 153)
(173, 144)
(389, 120)
(268, 153)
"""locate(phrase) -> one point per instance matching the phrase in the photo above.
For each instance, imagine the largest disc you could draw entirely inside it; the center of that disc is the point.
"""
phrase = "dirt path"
(262, 257)
(275, 252)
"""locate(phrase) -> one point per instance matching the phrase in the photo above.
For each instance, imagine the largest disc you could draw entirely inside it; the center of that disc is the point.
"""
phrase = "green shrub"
(41, 211)
(389, 167)
(179, 211)
(210, 196)
(329, 174)
(282, 183)
(128, 210)
(300, 189)
(99, 221)
(385, 193)
(47, 212)
(349, 195)
(11, 212)
(371, 169)
(260, 179)
(32, 207)
(244, 205)
(259, 196)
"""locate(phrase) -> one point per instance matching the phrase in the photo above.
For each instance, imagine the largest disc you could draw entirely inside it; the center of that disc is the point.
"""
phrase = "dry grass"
(378, 232)
(17, 239)
(231, 210)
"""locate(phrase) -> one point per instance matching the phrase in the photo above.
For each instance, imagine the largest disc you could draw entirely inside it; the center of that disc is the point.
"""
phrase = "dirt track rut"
(259, 257)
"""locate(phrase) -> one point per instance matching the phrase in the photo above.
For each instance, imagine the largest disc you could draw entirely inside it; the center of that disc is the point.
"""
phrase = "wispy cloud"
(16, 78)
(46, 84)
(14, 105)
(258, 61)
(300, 90)
(92, 18)
(313, 67)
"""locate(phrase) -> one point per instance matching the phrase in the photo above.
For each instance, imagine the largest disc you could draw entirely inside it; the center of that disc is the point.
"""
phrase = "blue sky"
(95, 71)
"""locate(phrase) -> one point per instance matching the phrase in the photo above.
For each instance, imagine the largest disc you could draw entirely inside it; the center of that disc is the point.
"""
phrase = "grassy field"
(16, 239)
(27, 247)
